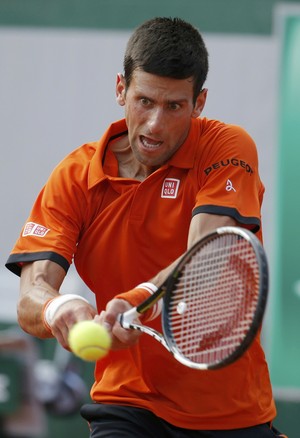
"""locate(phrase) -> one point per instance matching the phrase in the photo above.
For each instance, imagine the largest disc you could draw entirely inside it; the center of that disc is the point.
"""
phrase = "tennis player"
(124, 208)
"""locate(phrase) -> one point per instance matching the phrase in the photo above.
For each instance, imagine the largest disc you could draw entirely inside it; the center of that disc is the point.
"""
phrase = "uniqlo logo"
(33, 229)
(170, 188)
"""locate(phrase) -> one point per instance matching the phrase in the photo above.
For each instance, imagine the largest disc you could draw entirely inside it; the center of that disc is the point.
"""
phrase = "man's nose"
(156, 120)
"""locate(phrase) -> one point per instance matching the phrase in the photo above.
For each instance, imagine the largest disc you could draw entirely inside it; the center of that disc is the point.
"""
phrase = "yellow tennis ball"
(89, 341)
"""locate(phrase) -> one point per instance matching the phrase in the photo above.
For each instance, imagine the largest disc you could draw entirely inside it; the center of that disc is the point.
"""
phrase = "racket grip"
(126, 319)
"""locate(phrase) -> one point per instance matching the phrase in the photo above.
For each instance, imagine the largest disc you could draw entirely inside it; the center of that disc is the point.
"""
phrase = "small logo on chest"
(170, 188)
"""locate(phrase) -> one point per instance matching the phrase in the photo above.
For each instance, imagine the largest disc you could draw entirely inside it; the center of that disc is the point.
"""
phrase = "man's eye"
(145, 101)
(174, 106)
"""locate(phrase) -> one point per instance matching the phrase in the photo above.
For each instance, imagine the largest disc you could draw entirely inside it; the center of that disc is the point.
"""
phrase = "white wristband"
(56, 303)
(150, 287)
(157, 307)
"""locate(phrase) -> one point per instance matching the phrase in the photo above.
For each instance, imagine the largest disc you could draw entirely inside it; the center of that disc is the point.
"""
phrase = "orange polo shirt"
(121, 232)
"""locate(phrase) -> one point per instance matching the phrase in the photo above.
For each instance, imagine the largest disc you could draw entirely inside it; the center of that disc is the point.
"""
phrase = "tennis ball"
(89, 341)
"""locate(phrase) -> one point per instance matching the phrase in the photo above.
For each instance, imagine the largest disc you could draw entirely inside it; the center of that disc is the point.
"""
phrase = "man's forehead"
(147, 82)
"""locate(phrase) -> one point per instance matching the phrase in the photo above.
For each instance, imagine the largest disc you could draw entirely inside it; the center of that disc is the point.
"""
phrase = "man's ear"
(120, 89)
(200, 103)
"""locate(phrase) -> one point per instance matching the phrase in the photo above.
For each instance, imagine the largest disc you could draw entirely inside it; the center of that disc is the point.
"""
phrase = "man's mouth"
(149, 143)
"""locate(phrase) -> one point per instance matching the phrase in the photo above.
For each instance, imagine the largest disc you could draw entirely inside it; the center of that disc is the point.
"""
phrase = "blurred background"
(58, 66)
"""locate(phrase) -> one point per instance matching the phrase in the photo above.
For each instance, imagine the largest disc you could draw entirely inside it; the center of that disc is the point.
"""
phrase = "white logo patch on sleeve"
(33, 229)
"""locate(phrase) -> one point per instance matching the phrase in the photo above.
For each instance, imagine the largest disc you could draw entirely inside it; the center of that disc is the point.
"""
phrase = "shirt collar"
(96, 173)
(183, 158)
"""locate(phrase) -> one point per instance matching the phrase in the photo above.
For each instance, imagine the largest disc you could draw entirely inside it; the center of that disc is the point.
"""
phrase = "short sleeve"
(229, 178)
(53, 226)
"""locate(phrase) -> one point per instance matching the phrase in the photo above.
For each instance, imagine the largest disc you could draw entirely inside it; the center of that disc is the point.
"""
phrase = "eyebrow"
(182, 100)
(168, 101)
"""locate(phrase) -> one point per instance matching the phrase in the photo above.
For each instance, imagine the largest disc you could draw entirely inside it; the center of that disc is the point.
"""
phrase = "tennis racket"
(213, 301)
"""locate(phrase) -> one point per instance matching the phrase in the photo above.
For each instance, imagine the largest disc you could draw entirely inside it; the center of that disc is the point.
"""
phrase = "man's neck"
(129, 166)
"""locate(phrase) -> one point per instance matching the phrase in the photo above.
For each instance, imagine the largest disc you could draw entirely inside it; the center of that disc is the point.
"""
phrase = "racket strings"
(214, 301)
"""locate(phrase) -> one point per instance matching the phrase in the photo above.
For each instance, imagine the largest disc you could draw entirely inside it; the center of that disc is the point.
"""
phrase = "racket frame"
(127, 319)
(259, 311)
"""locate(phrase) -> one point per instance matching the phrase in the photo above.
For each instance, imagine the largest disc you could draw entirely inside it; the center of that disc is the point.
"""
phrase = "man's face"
(158, 113)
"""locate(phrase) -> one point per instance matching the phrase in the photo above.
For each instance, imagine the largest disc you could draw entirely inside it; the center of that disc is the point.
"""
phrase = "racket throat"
(127, 322)
(126, 319)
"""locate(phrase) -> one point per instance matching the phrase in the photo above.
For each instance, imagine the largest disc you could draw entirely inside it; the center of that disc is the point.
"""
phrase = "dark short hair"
(168, 47)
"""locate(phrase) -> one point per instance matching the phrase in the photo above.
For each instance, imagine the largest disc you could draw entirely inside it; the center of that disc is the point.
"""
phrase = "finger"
(127, 337)
(107, 323)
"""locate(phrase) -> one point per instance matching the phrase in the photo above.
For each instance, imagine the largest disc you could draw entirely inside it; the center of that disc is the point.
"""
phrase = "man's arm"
(40, 282)
(203, 223)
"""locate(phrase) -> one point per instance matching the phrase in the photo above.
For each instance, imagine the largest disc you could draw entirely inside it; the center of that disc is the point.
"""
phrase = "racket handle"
(126, 319)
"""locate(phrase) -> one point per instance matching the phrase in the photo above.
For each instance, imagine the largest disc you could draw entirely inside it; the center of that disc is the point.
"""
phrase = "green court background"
(215, 16)
(286, 346)
(218, 16)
